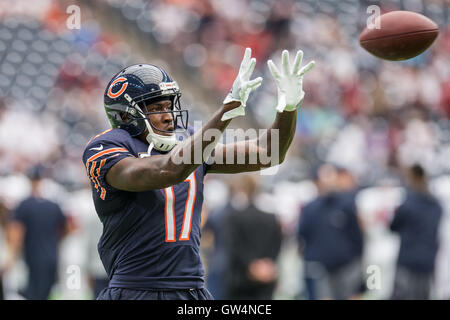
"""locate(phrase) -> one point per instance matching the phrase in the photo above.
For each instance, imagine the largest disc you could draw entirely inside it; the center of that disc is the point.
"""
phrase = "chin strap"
(157, 141)
(150, 147)
(160, 142)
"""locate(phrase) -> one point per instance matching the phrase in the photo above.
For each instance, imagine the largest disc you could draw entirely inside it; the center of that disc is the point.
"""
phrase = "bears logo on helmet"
(122, 89)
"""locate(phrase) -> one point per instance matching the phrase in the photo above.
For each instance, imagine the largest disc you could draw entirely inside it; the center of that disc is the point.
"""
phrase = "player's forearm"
(190, 148)
(285, 123)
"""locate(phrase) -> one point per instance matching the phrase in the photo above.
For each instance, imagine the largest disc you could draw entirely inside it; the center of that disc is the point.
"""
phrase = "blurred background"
(372, 141)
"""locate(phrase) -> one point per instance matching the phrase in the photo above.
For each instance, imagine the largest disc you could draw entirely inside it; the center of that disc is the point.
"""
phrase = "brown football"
(402, 35)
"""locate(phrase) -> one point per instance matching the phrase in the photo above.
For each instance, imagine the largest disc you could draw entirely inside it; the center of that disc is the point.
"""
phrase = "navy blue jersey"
(329, 230)
(44, 224)
(151, 239)
(417, 222)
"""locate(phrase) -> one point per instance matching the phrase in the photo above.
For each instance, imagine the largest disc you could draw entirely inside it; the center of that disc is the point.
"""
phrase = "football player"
(149, 204)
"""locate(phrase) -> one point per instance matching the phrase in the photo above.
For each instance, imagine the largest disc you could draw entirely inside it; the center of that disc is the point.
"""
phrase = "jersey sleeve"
(99, 157)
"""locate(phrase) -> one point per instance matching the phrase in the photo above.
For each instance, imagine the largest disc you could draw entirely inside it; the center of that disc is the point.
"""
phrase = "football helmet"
(130, 90)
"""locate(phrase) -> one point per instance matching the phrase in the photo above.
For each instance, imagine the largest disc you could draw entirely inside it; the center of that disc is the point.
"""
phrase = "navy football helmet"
(136, 86)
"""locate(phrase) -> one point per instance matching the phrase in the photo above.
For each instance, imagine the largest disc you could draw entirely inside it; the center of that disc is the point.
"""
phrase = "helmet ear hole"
(124, 117)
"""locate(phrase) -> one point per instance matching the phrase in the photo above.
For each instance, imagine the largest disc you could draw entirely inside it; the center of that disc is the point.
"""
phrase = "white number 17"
(169, 211)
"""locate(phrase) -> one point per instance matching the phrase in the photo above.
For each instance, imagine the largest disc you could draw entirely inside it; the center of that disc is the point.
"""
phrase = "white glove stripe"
(285, 63)
(297, 62)
(255, 82)
(245, 60)
(273, 70)
(306, 68)
(246, 76)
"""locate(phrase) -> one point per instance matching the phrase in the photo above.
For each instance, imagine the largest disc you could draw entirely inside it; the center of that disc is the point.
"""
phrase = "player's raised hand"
(242, 86)
(289, 81)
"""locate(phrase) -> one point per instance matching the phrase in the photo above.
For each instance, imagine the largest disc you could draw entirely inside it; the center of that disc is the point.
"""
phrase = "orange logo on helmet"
(121, 90)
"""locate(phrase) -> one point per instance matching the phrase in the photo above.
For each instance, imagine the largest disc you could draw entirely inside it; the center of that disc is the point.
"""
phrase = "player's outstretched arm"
(289, 82)
(161, 171)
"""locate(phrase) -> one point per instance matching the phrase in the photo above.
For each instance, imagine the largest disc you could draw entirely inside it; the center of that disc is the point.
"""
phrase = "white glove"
(289, 82)
(242, 86)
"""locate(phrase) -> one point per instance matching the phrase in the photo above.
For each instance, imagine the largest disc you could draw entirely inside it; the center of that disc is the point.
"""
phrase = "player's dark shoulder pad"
(109, 140)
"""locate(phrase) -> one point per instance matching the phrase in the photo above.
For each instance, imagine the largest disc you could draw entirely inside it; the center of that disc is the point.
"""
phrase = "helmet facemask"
(160, 139)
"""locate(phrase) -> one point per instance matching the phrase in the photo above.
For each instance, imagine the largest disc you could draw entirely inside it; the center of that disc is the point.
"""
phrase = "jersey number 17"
(169, 211)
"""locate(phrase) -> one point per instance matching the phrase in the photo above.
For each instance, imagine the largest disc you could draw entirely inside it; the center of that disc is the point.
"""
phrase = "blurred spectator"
(330, 238)
(215, 230)
(36, 228)
(345, 180)
(417, 221)
(214, 234)
(81, 246)
(254, 241)
(93, 230)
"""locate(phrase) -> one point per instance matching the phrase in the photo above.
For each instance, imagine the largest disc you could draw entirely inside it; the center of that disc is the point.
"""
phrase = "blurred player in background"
(36, 228)
(254, 241)
(85, 239)
(98, 279)
(150, 206)
(417, 221)
(214, 238)
(331, 239)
